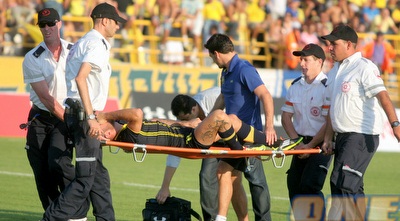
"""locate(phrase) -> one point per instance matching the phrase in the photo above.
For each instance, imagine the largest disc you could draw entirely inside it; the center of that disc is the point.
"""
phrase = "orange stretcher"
(140, 151)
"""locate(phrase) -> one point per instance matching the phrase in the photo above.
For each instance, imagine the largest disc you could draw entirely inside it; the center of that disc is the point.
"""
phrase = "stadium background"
(148, 87)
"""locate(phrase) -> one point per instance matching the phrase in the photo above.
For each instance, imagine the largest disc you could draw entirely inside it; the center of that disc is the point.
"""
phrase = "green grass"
(132, 183)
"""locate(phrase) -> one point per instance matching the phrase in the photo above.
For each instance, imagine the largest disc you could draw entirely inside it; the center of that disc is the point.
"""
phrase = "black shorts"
(237, 163)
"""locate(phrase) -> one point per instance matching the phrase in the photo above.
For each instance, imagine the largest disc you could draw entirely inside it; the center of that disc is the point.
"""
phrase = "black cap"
(343, 32)
(48, 15)
(311, 49)
(105, 10)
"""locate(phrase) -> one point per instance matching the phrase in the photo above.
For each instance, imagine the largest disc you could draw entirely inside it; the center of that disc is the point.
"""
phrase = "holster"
(74, 115)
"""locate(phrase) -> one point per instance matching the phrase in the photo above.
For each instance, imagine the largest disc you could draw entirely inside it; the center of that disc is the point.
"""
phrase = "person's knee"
(218, 114)
(236, 122)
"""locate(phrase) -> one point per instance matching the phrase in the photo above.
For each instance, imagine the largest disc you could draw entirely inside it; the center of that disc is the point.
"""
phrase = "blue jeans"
(260, 197)
(257, 183)
(209, 188)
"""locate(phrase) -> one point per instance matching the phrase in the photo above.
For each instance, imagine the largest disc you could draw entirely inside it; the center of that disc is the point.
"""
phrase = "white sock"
(220, 218)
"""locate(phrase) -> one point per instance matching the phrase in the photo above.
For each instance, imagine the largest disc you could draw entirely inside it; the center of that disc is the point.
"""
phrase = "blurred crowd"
(288, 23)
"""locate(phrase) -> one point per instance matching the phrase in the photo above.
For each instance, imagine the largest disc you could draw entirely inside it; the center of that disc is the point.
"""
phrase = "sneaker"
(286, 144)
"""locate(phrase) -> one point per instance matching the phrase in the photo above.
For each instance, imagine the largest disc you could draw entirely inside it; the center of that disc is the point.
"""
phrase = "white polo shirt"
(206, 99)
(94, 49)
(352, 87)
(39, 64)
(306, 103)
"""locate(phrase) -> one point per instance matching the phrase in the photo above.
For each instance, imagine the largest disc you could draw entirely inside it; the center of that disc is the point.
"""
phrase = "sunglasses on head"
(49, 24)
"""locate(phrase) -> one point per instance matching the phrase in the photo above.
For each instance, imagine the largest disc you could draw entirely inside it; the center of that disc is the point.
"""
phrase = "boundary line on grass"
(133, 184)
(16, 174)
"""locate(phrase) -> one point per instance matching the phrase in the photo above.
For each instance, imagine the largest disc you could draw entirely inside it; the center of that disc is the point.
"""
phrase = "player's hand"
(94, 128)
(162, 195)
(194, 122)
(100, 117)
(102, 137)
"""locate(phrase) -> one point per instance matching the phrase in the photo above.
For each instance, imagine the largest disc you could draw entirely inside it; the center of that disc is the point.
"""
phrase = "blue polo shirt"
(237, 86)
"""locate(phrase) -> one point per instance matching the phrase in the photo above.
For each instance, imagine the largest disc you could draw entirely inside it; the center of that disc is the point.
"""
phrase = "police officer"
(88, 73)
(48, 148)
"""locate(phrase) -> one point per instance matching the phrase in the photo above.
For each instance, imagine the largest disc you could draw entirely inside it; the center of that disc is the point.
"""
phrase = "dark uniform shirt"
(158, 133)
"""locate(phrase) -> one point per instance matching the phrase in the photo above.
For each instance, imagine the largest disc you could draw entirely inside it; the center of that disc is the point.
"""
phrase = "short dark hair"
(219, 42)
(182, 103)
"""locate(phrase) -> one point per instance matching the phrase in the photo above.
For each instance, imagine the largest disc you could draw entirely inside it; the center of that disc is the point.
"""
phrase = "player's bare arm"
(133, 116)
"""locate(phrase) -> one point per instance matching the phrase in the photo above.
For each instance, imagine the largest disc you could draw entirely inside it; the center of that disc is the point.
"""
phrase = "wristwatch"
(395, 124)
(91, 116)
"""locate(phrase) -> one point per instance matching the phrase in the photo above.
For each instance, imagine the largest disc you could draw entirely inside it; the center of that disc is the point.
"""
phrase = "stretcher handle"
(113, 152)
(142, 150)
(282, 155)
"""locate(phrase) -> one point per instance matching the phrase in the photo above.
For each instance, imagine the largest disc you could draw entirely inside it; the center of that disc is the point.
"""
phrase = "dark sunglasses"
(50, 24)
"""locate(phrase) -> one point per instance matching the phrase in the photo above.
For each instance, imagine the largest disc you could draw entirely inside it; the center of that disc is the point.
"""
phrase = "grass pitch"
(132, 183)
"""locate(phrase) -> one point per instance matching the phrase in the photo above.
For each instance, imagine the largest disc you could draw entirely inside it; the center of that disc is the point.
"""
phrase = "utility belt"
(42, 113)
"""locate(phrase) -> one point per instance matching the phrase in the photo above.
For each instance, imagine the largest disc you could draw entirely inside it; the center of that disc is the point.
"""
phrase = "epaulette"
(296, 80)
(38, 51)
(69, 46)
(104, 42)
(323, 81)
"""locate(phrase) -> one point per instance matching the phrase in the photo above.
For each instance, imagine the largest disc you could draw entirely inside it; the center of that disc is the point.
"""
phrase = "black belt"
(42, 112)
(306, 139)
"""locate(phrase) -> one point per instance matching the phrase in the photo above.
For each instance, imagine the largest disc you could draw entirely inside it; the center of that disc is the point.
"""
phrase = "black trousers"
(307, 176)
(92, 180)
(49, 152)
(353, 153)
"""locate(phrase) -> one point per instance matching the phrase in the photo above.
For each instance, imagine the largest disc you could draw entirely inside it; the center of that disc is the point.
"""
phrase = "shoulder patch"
(69, 46)
(296, 80)
(38, 51)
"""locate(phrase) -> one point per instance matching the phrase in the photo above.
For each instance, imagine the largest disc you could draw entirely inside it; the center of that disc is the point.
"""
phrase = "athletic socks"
(230, 138)
(250, 135)
(220, 218)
